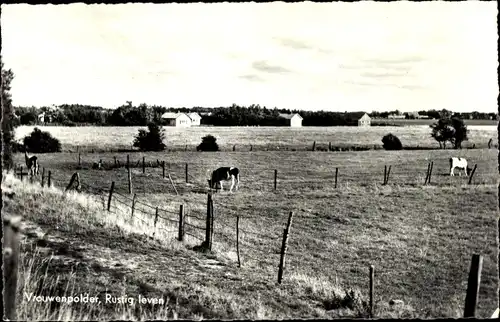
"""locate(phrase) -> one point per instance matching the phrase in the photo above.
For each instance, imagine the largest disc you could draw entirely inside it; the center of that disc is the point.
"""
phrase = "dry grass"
(420, 239)
(105, 138)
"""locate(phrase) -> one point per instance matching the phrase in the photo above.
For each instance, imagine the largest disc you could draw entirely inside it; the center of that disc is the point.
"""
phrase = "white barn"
(195, 119)
(364, 120)
(294, 120)
(176, 119)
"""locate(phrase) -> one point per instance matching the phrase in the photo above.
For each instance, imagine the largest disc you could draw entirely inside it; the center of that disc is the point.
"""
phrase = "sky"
(360, 56)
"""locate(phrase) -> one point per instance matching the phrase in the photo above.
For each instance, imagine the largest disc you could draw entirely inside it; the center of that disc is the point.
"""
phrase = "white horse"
(225, 174)
(459, 163)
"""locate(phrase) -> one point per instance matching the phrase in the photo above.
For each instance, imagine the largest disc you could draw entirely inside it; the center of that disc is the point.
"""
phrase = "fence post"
(284, 245)
(143, 164)
(336, 175)
(238, 239)
(11, 230)
(209, 220)
(251, 147)
(187, 173)
(111, 195)
(473, 284)
(172, 183)
(49, 181)
(181, 223)
(314, 146)
(156, 220)
(472, 173)
(211, 223)
(115, 160)
(385, 173)
(329, 146)
(372, 279)
(427, 174)
(234, 147)
(163, 168)
(43, 177)
(129, 176)
(388, 173)
(21, 168)
(79, 160)
(275, 178)
(73, 177)
(430, 172)
(489, 143)
(133, 206)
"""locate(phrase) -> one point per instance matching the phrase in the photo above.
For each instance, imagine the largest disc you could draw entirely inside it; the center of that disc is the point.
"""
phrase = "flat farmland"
(419, 238)
(261, 138)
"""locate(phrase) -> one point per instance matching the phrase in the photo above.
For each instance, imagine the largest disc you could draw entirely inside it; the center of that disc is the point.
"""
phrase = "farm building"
(364, 120)
(195, 118)
(293, 120)
(176, 119)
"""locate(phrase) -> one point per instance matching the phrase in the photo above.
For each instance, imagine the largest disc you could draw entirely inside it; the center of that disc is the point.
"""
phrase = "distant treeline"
(234, 115)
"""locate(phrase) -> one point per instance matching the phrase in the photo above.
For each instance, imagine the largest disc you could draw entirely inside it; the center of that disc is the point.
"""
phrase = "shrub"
(41, 142)
(391, 142)
(208, 143)
(151, 140)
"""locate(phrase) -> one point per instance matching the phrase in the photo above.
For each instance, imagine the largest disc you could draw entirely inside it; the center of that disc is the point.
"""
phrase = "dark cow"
(225, 174)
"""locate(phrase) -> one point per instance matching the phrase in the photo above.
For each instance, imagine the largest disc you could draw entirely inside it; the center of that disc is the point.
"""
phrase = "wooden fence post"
(49, 181)
(385, 173)
(43, 177)
(11, 247)
(234, 147)
(427, 174)
(172, 183)
(388, 173)
(181, 223)
(473, 286)
(238, 239)
(430, 172)
(128, 161)
(211, 223)
(129, 176)
(336, 175)
(115, 161)
(208, 221)
(187, 173)
(372, 279)
(472, 173)
(143, 164)
(251, 147)
(284, 245)
(111, 195)
(489, 143)
(73, 177)
(79, 160)
(156, 220)
(21, 168)
(329, 146)
(133, 206)
(275, 178)
(163, 168)
(314, 146)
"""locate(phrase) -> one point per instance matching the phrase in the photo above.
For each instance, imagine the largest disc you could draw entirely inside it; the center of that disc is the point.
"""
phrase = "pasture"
(261, 138)
(419, 238)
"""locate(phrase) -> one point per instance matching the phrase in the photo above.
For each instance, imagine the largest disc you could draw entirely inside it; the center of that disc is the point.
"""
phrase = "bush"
(41, 142)
(151, 140)
(208, 143)
(391, 142)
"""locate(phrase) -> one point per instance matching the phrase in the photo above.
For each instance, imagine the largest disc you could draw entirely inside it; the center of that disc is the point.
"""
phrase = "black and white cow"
(225, 174)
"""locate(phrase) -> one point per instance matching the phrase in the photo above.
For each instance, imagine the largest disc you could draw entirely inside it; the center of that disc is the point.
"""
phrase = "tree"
(391, 142)
(151, 140)
(443, 131)
(208, 143)
(7, 117)
(41, 142)
(461, 132)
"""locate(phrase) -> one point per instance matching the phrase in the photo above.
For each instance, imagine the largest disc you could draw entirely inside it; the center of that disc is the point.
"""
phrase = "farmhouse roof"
(289, 116)
(356, 115)
(170, 115)
(194, 116)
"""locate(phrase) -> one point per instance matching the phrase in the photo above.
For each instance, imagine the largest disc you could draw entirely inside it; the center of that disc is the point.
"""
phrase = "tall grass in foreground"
(54, 275)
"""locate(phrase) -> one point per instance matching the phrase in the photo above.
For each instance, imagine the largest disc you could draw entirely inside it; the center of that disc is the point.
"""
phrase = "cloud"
(295, 44)
(390, 61)
(263, 66)
(252, 78)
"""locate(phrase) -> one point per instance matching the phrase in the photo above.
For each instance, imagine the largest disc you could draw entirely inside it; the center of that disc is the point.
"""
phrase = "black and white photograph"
(250, 161)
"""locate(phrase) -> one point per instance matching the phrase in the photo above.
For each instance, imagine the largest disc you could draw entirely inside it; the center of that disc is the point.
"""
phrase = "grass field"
(114, 138)
(419, 238)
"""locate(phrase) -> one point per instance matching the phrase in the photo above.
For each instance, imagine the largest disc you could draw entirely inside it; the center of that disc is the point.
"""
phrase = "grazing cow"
(459, 163)
(31, 163)
(225, 174)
